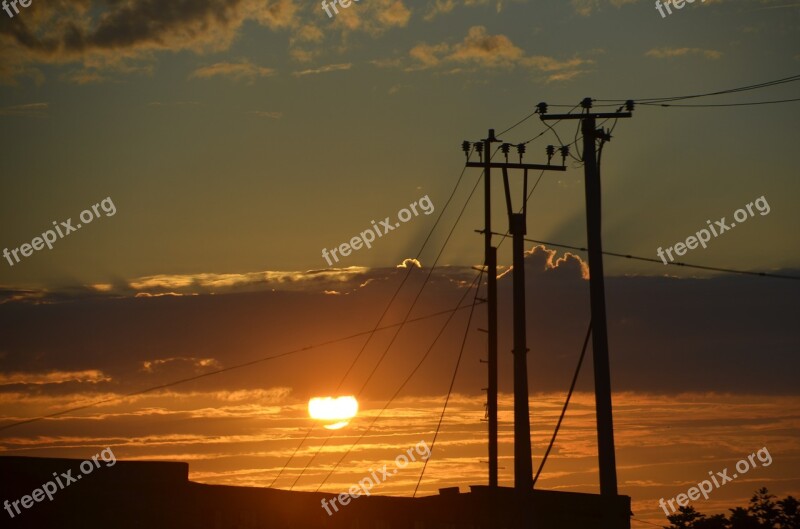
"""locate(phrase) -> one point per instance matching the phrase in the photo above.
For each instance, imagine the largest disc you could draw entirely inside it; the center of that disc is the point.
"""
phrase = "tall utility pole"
(602, 370)
(491, 287)
(523, 473)
(484, 148)
(523, 470)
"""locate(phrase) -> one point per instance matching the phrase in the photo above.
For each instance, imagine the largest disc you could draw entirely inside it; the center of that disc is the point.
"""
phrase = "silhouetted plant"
(763, 512)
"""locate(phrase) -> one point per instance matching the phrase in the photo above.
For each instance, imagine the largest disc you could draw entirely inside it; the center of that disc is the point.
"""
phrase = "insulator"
(541, 108)
(586, 103)
(466, 146)
(629, 104)
(520, 151)
(564, 150)
(504, 148)
(550, 151)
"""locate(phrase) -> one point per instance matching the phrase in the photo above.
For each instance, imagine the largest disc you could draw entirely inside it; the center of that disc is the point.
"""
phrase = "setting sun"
(336, 411)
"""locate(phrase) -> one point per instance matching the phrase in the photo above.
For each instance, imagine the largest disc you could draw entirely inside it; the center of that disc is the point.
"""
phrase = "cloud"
(564, 76)
(439, 7)
(486, 50)
(150, 366)
(479, 49)
(395, 14)
(275, 14)
(105, 35)
(28, 109)
(587, 7)
(442, 7)
(308, 33)
(208, 283)
(408, 263)
(427, 54)
(92, 376)
(667, 53)
(85, 77)
(324, 69)
(235, 70)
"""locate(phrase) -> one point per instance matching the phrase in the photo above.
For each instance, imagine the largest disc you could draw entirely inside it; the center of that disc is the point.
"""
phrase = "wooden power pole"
(602, 370)
(523, 472)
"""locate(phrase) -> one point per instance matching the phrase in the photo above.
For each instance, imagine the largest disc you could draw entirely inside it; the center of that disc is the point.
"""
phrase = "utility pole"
(484, 148)
(523, 472)
(602, 370)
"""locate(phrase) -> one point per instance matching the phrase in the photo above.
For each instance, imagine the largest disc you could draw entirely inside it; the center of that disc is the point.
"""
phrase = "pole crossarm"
(532, 166)
(599, 115)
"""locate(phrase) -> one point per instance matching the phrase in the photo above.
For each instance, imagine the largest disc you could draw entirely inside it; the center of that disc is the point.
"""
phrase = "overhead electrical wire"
(369, 338)
(566, 403)
(766, 84)
(644, 101)
(400, 388)
(659, 261)
(218, 371)
(408, 312)
(752, 103)
(450, 389)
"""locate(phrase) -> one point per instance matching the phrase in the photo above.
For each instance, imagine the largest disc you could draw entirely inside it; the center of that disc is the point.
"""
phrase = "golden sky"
(235, 140)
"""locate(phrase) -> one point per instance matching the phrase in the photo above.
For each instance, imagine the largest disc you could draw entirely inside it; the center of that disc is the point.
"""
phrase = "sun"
(337, 411)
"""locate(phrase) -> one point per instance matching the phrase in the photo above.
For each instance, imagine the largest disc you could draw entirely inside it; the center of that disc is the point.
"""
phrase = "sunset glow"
(336, 411)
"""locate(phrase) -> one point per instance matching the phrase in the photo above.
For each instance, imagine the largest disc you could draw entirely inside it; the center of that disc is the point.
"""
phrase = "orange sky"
(665, 443)
(237, 139)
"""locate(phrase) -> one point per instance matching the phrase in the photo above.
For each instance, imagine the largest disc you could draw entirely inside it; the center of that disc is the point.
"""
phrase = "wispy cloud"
(244, 70)
(54, 377)
(324, 69)
(667, 53)
(479, 49)
(28, 109)
(151, 366)
(587, 7)
(443, 7)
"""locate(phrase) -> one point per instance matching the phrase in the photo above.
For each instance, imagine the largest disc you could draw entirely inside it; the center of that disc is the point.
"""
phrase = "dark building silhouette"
(156, 495)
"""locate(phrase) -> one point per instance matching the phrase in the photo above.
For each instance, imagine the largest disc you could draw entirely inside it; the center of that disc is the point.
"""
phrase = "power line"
(566, 403)
(520, 122)
(545, 131)
(369, 338)
(291, 457)
(746, 88)
(752, 103)
(408, 313)
(400, 388)
(675, 263)
(452, 383)
(408, 273)
(427, 279)
(224, 370)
